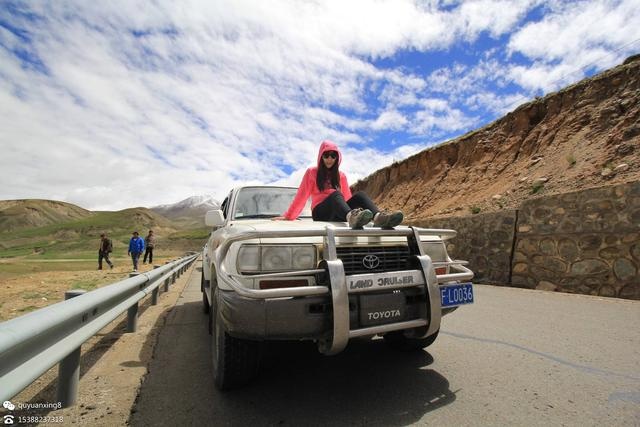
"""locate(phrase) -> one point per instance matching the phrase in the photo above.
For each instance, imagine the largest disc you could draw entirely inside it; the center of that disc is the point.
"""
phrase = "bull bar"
(338, 289)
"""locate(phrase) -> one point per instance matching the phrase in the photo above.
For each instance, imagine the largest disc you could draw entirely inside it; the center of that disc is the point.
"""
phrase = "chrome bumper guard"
(338, 289)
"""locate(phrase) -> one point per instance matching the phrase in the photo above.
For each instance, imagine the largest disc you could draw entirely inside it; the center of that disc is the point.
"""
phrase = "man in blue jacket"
(136, 248)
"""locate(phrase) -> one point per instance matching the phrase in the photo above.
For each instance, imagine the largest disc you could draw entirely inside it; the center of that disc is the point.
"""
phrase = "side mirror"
(214, 218)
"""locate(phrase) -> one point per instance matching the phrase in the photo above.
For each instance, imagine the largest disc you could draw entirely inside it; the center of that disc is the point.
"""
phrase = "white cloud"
(573, 37)
(436, 115)
(497, 17)
(390, 119)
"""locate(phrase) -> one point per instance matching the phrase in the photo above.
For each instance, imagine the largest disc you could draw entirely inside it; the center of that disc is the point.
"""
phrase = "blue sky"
(130, 103)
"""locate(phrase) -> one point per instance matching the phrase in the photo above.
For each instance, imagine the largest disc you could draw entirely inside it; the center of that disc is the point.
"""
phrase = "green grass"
(475, 209)
(199, 233)
(537, 187)
(86, 284)
(33, 295)
(79, 239)
(571, 160)
(19, 266)
(27, 309)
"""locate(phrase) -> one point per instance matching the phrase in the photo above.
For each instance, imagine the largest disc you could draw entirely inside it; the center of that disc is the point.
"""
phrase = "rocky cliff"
(586, 135)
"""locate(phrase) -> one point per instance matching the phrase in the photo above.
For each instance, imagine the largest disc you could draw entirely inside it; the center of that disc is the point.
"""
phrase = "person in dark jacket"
(149, 244)
(106, 247)
(136, 247)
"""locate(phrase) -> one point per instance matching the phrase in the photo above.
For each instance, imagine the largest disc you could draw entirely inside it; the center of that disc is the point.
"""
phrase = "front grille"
(389, 258)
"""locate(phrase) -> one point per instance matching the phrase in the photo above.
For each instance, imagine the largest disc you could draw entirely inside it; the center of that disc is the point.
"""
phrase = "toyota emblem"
(371, 261)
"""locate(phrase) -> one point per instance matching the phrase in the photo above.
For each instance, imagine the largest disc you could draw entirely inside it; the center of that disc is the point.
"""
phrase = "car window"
(225, 206)
(265, 202)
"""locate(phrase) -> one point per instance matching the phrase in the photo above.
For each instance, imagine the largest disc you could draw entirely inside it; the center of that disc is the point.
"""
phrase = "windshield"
(266, 202)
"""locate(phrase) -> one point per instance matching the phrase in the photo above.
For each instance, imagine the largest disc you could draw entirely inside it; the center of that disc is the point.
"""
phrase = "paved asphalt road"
(515, 357)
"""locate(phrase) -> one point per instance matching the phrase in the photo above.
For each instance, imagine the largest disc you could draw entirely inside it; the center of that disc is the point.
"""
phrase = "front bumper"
(293, 313)
(301, 318)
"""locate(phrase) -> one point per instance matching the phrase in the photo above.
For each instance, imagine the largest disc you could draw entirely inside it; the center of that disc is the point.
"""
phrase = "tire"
(235, 361)
(205, 303)
(398, 341)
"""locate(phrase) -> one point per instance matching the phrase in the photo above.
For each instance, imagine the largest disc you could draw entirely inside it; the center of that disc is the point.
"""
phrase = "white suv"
(321, 281)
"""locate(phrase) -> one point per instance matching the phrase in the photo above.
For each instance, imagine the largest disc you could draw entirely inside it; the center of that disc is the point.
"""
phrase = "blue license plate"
(458, 294)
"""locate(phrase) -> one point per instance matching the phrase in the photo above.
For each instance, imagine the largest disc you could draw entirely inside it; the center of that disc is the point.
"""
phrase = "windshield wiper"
(254, 216)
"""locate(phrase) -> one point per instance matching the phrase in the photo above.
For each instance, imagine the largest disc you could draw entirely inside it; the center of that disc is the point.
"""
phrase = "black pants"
(135, 257)
(148, 251)
(105, 256)
(335, 208)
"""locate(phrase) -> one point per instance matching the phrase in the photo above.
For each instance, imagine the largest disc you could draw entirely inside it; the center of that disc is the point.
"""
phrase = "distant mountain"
(29, 213)
(188, 213)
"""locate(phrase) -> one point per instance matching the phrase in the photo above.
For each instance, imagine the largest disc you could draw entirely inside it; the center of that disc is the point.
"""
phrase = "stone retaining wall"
(485, 240)
(584, 242)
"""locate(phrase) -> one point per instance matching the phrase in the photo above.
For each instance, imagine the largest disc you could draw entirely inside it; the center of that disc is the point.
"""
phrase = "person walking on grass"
(136, 247)
(106, 247)
(331, 198)
(149, 244)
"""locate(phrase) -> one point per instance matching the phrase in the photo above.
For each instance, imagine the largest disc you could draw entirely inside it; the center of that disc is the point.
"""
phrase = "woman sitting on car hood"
(331, 198)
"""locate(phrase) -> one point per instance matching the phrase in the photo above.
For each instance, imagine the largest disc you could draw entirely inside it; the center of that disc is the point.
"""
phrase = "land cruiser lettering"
(359, 284)
(386, 281)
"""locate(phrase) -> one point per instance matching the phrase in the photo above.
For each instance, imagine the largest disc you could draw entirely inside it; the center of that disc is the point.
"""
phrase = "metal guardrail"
(31, 344)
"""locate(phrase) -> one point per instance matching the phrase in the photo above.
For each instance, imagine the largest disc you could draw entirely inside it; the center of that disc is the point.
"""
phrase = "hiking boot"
(111, 266)
(387, 219)
(357, 218)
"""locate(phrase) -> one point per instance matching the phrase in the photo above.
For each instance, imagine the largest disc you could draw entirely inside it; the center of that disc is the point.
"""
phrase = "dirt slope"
(17, 214)
(586, 135)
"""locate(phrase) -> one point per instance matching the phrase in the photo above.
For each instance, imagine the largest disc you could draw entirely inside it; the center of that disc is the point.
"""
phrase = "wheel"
(399, 341)
(205, 302)
(235, 361)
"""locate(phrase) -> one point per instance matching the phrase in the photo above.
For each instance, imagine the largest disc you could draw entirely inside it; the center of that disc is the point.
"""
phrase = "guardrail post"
(166, 285)
(132, 318)
(69, 368)
(132, 313)
(156, 291)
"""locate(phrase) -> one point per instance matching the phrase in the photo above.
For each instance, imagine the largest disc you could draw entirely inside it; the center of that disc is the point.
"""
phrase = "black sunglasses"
(331, 154)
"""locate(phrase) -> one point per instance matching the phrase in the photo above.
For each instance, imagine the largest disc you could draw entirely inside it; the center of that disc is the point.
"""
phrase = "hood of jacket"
(329, 146)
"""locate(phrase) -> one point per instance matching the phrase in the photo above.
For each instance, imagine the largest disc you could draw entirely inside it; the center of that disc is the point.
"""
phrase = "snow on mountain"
(203, 200)
(189, 212)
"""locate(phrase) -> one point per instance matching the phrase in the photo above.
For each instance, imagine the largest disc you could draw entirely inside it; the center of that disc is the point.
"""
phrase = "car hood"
(238, 226)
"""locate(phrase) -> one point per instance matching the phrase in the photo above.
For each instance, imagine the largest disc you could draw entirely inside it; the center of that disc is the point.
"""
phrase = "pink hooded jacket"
(308, 186)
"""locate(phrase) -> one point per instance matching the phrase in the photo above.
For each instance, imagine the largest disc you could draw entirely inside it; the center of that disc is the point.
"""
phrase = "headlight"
(266, 258)
(276, 258)
(249, 258)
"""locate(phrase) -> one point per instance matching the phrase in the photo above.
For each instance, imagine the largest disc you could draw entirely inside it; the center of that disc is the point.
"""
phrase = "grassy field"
(38, 264)
(30, 284)
(80, 239)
